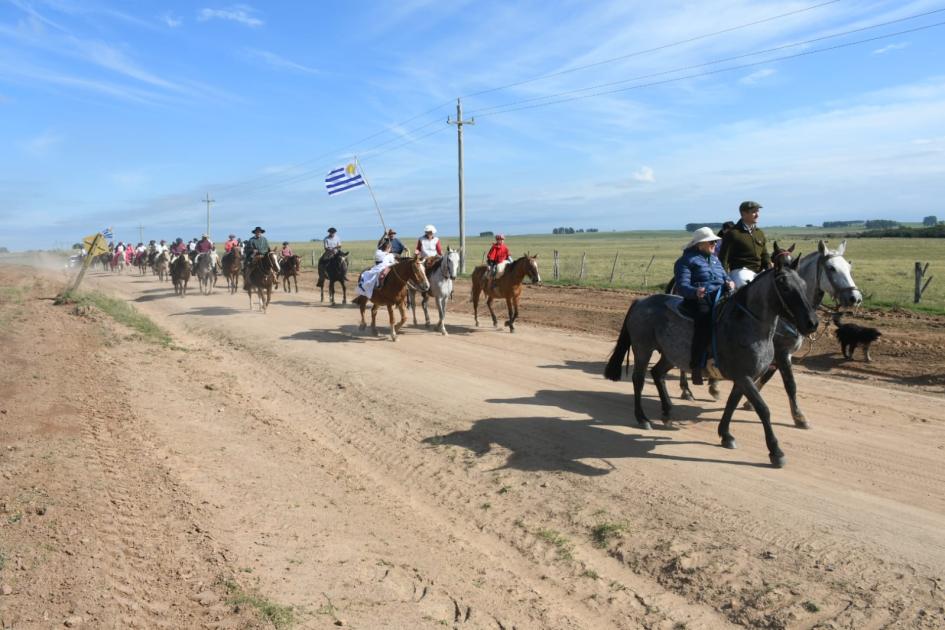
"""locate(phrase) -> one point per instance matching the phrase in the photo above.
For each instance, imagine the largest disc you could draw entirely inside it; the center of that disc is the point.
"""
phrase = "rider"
(178, 248)
(699, 275)
(383, 258)
(428, 245)
(332, 245)
(744, 251)
(231, 242)
(396, 247)
(497, 259)
(286, 251)
(256, 246)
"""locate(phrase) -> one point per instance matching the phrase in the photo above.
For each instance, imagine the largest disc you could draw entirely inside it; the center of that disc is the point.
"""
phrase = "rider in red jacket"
(496, 259)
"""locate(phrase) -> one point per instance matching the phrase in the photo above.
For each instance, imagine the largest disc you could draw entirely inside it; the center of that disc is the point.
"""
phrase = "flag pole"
(368, 184)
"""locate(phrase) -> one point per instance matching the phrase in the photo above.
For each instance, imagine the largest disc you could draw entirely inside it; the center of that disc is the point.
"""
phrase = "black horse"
(335, 269)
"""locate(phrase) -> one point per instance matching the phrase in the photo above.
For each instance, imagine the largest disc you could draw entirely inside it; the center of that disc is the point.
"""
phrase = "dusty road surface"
(285, 469)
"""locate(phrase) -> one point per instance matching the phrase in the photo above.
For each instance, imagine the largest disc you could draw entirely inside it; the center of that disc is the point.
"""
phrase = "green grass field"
(882, 268)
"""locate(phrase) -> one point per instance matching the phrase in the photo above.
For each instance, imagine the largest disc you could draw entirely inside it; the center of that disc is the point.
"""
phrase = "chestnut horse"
(232, 266)
(406, 271)
(509, 287)
(261, 275)
(289, 269)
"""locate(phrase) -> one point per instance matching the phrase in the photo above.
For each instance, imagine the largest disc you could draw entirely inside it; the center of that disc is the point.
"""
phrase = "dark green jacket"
(744, 250)
(257, 244)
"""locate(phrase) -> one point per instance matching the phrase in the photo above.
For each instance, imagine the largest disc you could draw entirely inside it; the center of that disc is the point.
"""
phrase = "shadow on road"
(349, 334)
(557, 444)
(212, 311)
(607, 407)
(588, 367)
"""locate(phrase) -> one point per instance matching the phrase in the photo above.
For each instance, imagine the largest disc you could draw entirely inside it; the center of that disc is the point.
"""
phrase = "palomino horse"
(180, 274)
(161, 265)
(509, 287)
(204, 269)
(334, 270)
(261, 276)
(289, 269)
(232, 267)
(441, 278)
(393, 292)
(742, 346)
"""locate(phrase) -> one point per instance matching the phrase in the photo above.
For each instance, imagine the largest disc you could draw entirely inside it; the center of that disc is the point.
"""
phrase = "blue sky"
(126, 113)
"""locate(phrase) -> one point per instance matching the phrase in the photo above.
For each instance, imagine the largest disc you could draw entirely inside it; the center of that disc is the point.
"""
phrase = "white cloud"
(42, 144)
(171, 20)
(279, 62)
(890, 48)
(242, 13)
(757, 76)
(643, 174)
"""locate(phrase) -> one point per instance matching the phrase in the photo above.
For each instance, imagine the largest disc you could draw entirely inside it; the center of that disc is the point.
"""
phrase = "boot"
(697, 375)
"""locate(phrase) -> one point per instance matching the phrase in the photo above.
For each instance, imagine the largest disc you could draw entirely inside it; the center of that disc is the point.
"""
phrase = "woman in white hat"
(429, 244)
(699, 276)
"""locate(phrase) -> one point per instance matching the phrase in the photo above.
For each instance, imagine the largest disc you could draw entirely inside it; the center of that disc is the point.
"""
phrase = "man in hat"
(332, 245)
(257, 245)
(429, 244)
(744, 251)
(699, 276)
(231, 242)
(396, 247)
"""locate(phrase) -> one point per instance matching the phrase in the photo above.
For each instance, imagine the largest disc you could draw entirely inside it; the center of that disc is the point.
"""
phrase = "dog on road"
(853, 335)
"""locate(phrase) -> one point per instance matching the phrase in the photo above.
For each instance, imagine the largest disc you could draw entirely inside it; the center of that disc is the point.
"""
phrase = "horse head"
(273, 261)
(783, 257)
(418, 274)
(834, 277)
(791, 291)
(452, 262)
(531, 268)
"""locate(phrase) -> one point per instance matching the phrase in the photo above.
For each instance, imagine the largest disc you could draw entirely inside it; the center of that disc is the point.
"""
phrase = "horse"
(118, 261)
(289, 269)
(260, 275)
(509, 286)
(232, 266)
(334, 270)
(204, 269)
(180, 274)
(441, 277)
(780, 258)
(743, 344)
(394, 293)
(141, 262)
(161, 262)
(105, 260)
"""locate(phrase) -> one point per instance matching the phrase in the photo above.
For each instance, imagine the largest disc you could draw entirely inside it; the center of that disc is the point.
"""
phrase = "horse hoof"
(645, 424)
(665, 417)
(393, 338)
(729, 443)
(687, 395)
(716, 396)
(801, 423)
(777, 461)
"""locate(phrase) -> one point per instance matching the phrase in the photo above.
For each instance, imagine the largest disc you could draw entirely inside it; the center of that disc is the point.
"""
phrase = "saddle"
(432, 264)
(382, 277)
(675, 307)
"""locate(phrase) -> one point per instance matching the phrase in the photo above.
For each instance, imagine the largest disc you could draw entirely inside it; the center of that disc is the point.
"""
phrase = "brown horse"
(261, 275)
(232, 266)
(289, 269)
(141, 262)
(180, 274)
(509, 287)
(406, 271)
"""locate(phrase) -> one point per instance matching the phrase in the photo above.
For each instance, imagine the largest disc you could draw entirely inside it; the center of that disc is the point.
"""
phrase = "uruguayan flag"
(107, 233)
(343, 179)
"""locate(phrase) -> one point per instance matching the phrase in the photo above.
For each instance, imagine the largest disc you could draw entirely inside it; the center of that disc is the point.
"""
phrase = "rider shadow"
(556, 444)
(210, 311)
(451, 329)
(346, 334)
(165, 293)
(588, 367)
(605, 407)
(288, 302)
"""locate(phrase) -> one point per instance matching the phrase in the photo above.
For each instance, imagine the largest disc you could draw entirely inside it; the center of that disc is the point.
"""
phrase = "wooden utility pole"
(140, 233)
(459, 122)
(919, 275)
(613, 269)
(208, 201)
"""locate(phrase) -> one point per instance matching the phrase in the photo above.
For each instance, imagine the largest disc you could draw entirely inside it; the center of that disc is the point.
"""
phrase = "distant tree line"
(571, 230)
(881, 224)
(836, 224)
(692, 227)
(930, 221)
(935, 231)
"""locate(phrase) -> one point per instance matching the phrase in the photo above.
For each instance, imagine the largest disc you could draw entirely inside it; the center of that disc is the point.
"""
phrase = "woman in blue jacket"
(699, 275)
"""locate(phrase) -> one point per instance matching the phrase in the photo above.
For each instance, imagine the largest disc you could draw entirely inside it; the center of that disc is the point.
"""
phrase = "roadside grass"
(561, 544)
(603, 533)
(121, 312)
(280, 616)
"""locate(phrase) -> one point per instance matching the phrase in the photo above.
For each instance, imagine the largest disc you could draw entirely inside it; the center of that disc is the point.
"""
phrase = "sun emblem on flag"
(350, 170)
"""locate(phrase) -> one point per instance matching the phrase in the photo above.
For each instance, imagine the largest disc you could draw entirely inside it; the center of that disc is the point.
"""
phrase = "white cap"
(430, 228)
(702, 235)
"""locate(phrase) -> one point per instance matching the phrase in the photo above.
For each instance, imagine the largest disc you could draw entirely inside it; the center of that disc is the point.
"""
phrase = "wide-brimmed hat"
(232, 236)
(392, 231)
(285, 242)
(500, 237)
(258, 229)
(702, 235)
(204, 236)
(430, 228)
(332, 230)
(748, 206)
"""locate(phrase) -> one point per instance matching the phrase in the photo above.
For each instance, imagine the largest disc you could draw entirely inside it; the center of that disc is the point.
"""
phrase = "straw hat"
(702, 235)
(430, 228)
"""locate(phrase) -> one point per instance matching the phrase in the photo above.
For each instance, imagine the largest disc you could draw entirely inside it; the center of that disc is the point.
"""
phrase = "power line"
(650, 50)
(486, 111)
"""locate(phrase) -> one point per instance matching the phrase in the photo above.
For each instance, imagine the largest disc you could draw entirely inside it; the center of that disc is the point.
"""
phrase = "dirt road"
(484, 480)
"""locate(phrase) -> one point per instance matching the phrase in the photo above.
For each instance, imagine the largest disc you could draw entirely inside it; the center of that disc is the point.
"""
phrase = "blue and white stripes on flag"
(343, 179)
(107, 233)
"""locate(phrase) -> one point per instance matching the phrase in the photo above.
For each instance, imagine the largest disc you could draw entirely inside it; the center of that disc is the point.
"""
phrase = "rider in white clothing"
(383, 259)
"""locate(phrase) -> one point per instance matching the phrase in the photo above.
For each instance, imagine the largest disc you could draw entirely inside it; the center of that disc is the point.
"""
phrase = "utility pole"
(208, 201)
(140, 233)
(459, 122)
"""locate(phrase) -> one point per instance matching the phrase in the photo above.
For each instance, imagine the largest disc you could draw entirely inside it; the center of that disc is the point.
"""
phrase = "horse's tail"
(612, 371)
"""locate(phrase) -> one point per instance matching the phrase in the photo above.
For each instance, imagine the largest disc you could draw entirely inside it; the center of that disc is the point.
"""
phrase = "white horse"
(441, 288)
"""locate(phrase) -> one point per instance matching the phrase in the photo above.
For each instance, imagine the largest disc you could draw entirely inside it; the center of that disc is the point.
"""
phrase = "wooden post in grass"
(647, 270)
(614, 268)
(554, 266)
(314, 266)
(919, 275)
(583, 259)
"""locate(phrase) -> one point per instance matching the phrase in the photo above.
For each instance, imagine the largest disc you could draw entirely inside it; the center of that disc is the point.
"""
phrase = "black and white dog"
(852, 335)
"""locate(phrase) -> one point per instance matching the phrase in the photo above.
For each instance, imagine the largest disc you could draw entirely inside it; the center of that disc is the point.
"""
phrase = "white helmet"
(430, 228)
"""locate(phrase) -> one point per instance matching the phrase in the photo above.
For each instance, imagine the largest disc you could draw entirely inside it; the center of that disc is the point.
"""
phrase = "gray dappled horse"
(441, 288)
(744, 334)
(204, 270)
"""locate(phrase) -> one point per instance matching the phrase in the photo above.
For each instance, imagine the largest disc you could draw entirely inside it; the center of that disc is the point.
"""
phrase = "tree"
(930, 221)
(874, 224)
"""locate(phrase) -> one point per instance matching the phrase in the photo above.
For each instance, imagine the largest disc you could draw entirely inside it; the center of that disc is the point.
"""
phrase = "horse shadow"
(211, 311)
(549, 444)
(288, 302)
(606, 407)
(165, 293)
(451, 329)
(588, 367)
(344, 334)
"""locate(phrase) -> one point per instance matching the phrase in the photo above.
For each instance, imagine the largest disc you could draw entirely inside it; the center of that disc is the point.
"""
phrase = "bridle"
(408, 281)
(835, 292)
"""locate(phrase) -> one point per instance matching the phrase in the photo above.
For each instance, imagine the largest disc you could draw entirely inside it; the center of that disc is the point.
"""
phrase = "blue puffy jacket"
(695, 269)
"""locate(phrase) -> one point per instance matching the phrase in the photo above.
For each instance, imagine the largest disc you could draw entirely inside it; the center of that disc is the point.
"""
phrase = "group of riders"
(713, 264)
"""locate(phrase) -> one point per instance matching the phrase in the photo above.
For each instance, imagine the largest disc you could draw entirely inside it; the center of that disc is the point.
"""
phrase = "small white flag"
(343, 179)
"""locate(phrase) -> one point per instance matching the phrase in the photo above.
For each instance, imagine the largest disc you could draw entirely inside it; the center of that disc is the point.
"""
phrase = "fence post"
(583, 259)
(313, 259)
(919, 275)
(555, 273)
(647, 270)
(614, 268)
